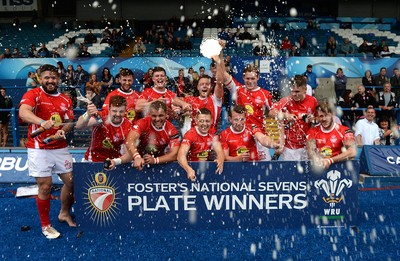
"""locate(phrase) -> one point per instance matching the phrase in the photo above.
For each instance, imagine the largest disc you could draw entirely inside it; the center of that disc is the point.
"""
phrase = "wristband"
(331, 160)
(40, 124)
(136, 155)
(86, 117)
(118, 161)
(228, 81)
(157, 160)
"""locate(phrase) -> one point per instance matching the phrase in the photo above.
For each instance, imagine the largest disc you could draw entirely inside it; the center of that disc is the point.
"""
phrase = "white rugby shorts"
(45, 163)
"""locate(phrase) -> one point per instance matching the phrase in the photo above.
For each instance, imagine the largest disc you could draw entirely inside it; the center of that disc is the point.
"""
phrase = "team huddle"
(136, 127)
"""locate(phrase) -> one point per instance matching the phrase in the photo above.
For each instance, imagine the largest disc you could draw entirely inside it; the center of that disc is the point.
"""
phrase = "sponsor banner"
(380, 160)
(245, 196)
(18, 5)
(14, 167)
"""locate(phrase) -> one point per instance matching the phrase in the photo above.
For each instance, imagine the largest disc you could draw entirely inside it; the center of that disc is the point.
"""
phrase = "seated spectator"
(331, 47)
(286, 44)
(148, 37)
(347, 48)
(262, 24)
(16, 53)
(32, 53)
(364, 47)
(161, 46)
(386, 134)
(346, 101)
(294, 51)
(182, 84)
(368, 80)
(302, 43)
(178, 44)
(260, 49)
(381, 78)
(222, 34)
(7, 54)
(311, 25)
(381, 45)
(246, 35)
(61, 71)
(90, 38)
(140, 47)
(374, 48)
(385, 53)
(84, 52)
(55, 53)
(43, 51)
(395, 79)
(31, 81)
(387, 101)
(340, 82)
(275, 25)
(147, 79)
(231, 41)
(367, 131)
(81, 76)
(187, 44)
(70, 76)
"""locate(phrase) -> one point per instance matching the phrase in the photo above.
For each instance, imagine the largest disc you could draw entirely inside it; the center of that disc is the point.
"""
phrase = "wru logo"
(333, 186)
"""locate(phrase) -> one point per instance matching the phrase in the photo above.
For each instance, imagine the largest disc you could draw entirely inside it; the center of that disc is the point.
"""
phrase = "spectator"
(262, 24)
(329, 142)
(197, 144)
(109, 136)
(5, 116)
(311, 77)
(187, 44)
(31, 81)
(94, 83)
(16, 53)
(347, 47)
(294, 51)
(387, 101)
(70, 76)
(275, 25)
(302, 43)
(239, 141)
(32, 53)
(364, 47)
(201, 71)
(107, 81)
(363, 99)
(231, 41)
(368, 80)
(381, 45)
(387, 136)
(93, 96)
(140, 47)
(395, 79)
(385, 53)
(380, 79)
(246, 35)
(148, 37)
(147, 78)
(55, 53)
(90, 38)
(374, 48)
(84, 52)
(331, 47)
(311, 25)
(367, 131)
(286, 44)
(260, 49)
(81, 76)
(182, 84)
(346, 101)
(297, 110)
(7, 54)
(340, 83)
(43, 51)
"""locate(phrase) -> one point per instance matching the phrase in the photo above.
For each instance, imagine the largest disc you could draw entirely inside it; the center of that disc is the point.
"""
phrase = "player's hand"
(138, 163)
(191, 175)
(60, 135)
(220, 166)
(109, 164)
(91, 109)
(148, 159)
(47, 124)
(245, 156)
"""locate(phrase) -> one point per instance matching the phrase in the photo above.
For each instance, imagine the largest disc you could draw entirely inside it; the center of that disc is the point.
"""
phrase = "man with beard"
(329, 142)
(160, 92)
(296, 112)
(108, 138)
(125, 90)
(198, 143)
(152, 140)
(239, 141)
(51, 111)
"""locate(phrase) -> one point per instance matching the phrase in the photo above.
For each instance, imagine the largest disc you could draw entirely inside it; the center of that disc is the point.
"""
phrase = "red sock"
(44, 211)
